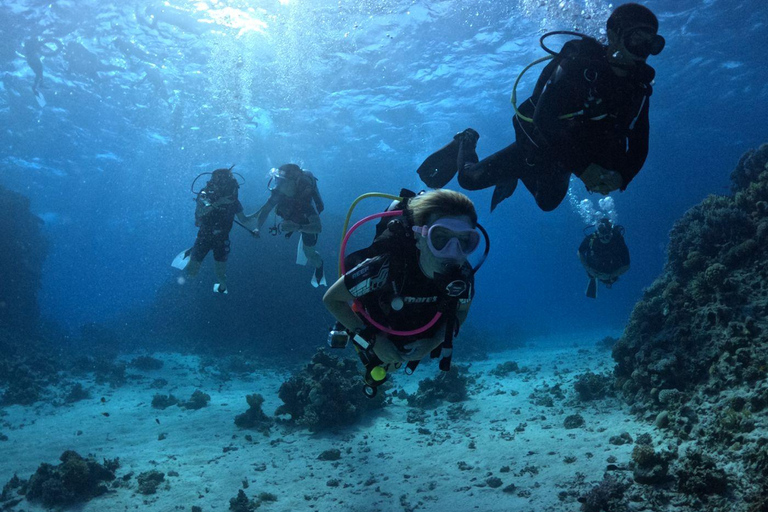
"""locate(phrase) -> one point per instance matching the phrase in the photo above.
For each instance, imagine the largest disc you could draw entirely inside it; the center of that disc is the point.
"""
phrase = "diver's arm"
(337, 300)
(637, 147)
(318, 200)
(263, 212)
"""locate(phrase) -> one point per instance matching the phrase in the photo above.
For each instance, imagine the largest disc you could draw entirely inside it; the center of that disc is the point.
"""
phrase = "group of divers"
(406, 295)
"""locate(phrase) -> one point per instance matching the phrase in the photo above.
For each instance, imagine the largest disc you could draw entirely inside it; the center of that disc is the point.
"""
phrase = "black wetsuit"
(609, 128)
(214, 230)
(382, 279)
(604, 258)
(305, 203)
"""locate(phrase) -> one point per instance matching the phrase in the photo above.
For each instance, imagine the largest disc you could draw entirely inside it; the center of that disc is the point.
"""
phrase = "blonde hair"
(441, 203)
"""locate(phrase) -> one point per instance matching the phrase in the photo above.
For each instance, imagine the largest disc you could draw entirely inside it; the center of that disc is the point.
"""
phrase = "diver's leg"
(313, 257)
(440, 167)
(309, 241)
(548, 184)
(196, 256)
(193, 268)
(499, 167)
(220, 268)
(220, 256)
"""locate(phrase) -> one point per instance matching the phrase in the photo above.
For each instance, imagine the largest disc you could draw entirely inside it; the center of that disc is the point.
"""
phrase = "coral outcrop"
(451, 386)
(694, 356)
(75, 480)
(254, 418)
(327, 394)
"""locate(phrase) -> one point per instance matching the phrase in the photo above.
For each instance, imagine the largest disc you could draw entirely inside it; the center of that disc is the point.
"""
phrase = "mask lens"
(642, 42)
(440, 237)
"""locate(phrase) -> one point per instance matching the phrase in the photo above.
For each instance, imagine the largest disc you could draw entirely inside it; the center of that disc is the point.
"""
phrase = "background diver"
(407, 295)
(217, 205)
(588, 115)
(604, 255)
(34, 50)
(296, 199)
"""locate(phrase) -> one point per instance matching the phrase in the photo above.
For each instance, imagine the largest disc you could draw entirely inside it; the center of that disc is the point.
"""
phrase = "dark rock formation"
(327, 393)
(694, 356)
(23, 249)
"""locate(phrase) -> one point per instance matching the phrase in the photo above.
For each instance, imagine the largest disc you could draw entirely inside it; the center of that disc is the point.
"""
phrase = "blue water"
(359, 92)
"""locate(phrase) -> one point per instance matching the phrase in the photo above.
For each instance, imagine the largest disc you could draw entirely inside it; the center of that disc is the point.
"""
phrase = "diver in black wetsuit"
(34, 49)
(604, 255)
(588, 116)
(217, 207)
(296, 199)
(405, 297)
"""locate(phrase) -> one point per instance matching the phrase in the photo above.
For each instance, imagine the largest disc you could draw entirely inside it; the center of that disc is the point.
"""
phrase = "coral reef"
(149, 481)
(75, 480)
(146, 363)
(451, 386)
(198, 400)
(254, 418)
(504, 369)
(326, 394)
(241, 503)
(694, 356)
(164, 401)
(591, 386)
(21, 261)
(76, 393)
(607, 496)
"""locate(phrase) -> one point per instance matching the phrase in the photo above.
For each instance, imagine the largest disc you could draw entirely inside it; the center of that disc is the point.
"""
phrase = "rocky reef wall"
(23, 249)
(694, 356)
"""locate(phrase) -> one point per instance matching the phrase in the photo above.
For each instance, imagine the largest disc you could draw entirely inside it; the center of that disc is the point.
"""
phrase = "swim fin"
(502, 191)
(182, 259)
(217, 288)
(592, 288)
(441, 166)
(40, 98)
(318, 277)
(301, 258)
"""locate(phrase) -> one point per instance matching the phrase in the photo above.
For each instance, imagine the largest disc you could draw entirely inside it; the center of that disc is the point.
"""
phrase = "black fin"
(592, 288)
(502, 191)
(440, 167)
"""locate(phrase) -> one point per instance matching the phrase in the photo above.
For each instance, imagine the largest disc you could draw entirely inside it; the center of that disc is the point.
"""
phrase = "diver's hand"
(418, 350)
(387, 351)
(288, 226)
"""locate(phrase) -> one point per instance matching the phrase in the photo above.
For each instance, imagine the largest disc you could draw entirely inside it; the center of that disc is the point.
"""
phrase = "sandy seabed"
(508, 455)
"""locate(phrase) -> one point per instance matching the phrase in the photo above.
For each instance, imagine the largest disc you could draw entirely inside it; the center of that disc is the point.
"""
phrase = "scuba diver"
(296, 199)
(406, 295)
(588, 116)
(34, 50)
(604, 255)
(217, 205)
